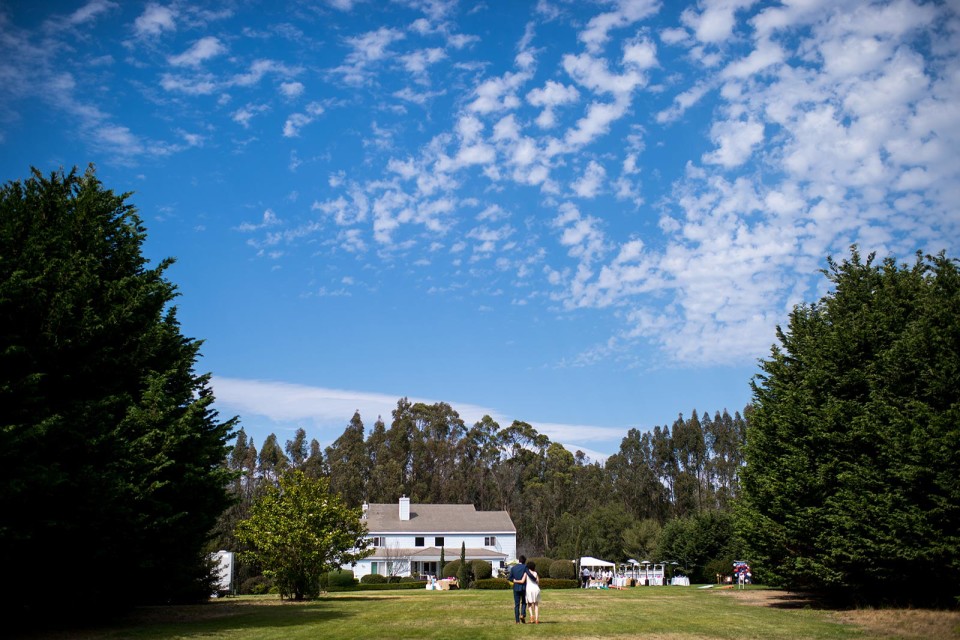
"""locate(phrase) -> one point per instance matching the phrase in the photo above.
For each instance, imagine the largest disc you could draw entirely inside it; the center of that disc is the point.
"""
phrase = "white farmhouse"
(407, 539)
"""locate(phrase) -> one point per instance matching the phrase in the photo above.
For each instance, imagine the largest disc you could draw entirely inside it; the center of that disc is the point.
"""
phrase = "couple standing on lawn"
(526, 591)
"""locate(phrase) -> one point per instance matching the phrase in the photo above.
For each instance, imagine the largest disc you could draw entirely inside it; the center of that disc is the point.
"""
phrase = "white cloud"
(296, 121)
(498, 94)
(595, 123)
(589, 184)
(417, 62)
(269, 219)
(594, 74)
(201, 50)
(627, 12)
(243, 115)
(735, 140)
(367, 48)
(716, 21)
(154, 20)
(291, 89)
(553, 94)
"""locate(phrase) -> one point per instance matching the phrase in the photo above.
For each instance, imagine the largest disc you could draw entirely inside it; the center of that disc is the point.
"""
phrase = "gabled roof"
(437, 519)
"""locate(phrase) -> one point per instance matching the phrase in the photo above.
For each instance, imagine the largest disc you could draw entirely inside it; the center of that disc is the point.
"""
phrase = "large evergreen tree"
(111, 453)
(852, 484)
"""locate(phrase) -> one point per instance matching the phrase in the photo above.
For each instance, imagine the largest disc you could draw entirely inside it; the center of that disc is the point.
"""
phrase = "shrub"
(450, 569)
(563, 570)
(555, 583)
(412, 579)
(373, 578)
(543, 566)
(341, 578)
(257, 585)
(481, 569)
(492, 583)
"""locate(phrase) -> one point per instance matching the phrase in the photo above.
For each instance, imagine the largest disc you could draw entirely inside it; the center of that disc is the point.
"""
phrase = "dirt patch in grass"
(929, 624)
(904, 623)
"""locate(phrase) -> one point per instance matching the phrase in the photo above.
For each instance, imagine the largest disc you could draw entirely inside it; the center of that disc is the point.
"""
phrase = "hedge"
(383, 586)
(545, 583)
(481, 569)
(556, 583)
(543, 566)
(492, 583)
(563, 569)
(373, 578)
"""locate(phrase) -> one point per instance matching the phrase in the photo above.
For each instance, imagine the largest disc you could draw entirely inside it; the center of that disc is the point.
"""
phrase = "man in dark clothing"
(517, 572)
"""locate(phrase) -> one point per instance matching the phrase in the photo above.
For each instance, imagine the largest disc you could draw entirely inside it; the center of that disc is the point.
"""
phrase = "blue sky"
(590, 216)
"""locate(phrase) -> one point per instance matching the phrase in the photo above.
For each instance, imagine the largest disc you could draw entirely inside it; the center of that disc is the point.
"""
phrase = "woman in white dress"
(532, 580)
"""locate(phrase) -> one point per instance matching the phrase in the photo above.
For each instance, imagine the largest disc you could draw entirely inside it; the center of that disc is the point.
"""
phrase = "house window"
(418, 541)
(374, 566)
(438, 541)
(377, 541)
(490, 541)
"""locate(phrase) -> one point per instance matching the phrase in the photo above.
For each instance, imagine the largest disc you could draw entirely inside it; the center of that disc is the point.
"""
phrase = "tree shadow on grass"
(186, 621)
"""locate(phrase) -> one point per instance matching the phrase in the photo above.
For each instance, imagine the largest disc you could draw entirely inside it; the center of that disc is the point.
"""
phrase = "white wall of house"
(500, 543)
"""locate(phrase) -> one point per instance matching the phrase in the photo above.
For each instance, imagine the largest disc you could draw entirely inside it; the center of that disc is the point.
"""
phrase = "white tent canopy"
(588, 561)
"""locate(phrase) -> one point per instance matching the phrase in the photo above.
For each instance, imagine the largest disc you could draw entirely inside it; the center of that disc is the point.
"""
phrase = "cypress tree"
(111, 453)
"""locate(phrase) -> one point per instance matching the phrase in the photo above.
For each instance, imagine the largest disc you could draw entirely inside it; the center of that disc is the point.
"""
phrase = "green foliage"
(493, 583)
(562, 570)
(640, 539)
(463, 573)
(853, 451)
(373, 578)
(257, 585)
(557, 583)
(339, 578)
(451, 569)
(481, 569)
(696, 541)
(297, 530)
(110, 449)
(543, 566)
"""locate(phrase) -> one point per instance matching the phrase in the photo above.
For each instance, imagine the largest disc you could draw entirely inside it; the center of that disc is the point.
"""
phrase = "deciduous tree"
(299, 530)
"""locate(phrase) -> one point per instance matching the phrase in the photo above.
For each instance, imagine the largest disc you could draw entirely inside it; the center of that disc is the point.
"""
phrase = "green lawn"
(643, 612)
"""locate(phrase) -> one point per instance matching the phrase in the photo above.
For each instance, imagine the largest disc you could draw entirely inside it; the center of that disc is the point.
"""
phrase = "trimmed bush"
(450, 569)
(412, 579)
(492, 583)
(341, 578)
(563, 570)
(373, 578)
(543, 566)
(481, 569)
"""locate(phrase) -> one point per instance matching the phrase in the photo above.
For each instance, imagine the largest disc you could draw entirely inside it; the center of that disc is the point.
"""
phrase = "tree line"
(563, 504)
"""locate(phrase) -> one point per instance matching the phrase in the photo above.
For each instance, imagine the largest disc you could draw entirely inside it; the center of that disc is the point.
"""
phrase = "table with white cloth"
(682, 581)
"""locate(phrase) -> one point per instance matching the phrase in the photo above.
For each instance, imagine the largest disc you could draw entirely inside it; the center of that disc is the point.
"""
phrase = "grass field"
(645, 612)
